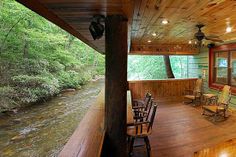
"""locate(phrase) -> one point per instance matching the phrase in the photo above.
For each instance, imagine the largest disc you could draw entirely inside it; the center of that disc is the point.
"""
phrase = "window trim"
(221, 48)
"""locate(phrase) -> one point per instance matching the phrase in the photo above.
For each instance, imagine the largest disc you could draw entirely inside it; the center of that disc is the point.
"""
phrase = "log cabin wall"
(197, 64)
(161, 90)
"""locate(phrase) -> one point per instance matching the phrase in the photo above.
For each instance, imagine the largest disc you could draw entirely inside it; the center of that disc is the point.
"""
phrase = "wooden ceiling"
(145, 18)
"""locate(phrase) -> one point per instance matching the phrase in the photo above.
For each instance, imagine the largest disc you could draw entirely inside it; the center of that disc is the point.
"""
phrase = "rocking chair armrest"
(137, 123)
(223, 104)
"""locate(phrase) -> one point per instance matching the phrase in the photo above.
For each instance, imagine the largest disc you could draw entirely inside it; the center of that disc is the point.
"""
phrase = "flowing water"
(43, 129)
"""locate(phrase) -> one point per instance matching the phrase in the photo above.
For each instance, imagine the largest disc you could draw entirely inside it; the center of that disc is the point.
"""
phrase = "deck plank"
(180, 130)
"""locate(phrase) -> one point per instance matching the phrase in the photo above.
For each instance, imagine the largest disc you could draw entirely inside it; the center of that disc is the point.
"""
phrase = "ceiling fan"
(200, 35)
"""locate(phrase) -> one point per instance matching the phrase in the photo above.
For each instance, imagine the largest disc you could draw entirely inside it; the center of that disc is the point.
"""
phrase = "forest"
(39, 59)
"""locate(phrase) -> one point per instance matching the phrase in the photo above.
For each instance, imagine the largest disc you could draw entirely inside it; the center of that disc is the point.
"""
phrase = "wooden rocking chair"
(141, 106)
(194, 95)
(220, 104)
(141, 130)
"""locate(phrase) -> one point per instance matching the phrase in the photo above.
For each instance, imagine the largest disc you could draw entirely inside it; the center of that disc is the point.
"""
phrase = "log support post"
(116, 86)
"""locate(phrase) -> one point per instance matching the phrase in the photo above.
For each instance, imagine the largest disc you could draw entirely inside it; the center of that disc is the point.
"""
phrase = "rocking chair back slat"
(225, 95)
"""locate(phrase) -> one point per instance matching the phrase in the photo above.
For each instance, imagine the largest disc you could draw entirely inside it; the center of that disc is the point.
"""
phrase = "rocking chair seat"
(213, 108)
(192, 97)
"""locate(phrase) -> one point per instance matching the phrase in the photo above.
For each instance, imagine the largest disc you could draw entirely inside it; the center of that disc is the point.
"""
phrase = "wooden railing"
(87, 140)
(169, 89)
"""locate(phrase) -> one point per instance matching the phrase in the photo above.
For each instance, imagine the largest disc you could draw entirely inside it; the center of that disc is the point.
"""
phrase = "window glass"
(221, 67)
(153, 67)
(233, 68)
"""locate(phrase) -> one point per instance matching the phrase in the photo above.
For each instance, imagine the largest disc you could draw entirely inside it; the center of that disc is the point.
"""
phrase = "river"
(42, 130)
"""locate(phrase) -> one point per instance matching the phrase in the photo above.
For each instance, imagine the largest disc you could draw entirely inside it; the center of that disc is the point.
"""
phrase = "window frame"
(222, 48)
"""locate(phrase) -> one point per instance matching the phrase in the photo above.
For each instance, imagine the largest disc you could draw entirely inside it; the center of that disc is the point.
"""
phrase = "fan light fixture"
(164, 21)
(96, 28)
(154, 34)
(228, 29)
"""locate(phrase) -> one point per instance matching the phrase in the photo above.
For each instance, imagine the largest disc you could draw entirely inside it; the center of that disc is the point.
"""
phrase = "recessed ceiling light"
(190, 42)
(165, 21)
(228, 29)
(154, 34)
(195, 42)
(149, 41)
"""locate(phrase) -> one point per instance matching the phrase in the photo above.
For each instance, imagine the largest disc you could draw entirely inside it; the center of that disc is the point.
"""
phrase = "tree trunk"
(25, 48)
(169, 71)
(12, 27)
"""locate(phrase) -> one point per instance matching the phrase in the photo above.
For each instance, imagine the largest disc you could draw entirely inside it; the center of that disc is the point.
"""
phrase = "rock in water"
(17, 137)
(68, 90)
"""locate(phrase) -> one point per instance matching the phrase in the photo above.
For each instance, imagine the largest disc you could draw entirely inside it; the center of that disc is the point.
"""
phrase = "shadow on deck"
(180, 130)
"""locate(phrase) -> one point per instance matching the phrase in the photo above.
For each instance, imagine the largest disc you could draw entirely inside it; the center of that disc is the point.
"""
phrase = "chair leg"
(131, 146)
(147, 145)
(203, 111)
(128, 140)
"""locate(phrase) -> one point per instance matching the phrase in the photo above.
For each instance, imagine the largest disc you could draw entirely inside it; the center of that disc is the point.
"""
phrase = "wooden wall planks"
(170, 89)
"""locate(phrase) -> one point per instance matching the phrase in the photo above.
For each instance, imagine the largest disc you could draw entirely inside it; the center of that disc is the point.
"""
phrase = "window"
(222, 66)
(148, 67)
(233, 68)
(225, 68)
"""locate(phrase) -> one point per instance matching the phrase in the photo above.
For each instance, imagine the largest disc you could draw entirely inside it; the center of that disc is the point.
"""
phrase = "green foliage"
(153, 67)
(146, 67)
(7, 95)
(38, 59)
(34, 88)
(68, 79)
(179, 66)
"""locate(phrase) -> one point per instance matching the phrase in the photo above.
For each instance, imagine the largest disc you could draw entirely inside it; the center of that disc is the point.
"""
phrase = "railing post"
(116, 85)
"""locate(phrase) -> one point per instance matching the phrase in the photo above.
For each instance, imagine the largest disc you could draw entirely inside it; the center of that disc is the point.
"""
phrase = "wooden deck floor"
(179, 130)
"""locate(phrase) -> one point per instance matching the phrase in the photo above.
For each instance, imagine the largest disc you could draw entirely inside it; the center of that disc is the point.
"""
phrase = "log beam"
(116, 85)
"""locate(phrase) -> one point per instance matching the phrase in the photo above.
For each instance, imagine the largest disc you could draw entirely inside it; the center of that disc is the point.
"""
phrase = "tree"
(168, 68)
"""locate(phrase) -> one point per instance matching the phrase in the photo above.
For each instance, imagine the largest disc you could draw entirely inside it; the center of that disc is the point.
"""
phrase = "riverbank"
(29, 91)
(44, 128)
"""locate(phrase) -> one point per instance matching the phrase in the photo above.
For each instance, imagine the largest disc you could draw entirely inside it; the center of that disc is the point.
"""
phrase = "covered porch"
(149, 28)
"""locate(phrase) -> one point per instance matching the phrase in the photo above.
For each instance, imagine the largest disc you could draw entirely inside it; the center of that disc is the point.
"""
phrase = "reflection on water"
(43, 129)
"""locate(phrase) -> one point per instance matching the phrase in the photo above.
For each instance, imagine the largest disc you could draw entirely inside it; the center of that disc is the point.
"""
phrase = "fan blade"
(212, 36)
(214, 39)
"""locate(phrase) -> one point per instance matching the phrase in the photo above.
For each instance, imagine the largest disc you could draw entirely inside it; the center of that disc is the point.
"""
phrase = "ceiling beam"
(164, 49)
